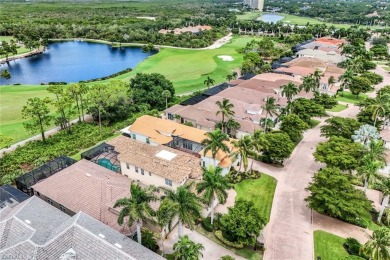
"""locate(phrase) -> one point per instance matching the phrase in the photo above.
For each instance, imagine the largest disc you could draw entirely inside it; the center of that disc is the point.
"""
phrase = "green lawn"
(187, 69)
(348, 97)
(338, 108)
(328, 246)
(7, 39)
(248, 16)
(260, 191)
(12, 100)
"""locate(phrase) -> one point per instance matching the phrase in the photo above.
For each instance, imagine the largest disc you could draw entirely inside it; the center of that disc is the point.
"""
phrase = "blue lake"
(270, 18)
(71, 62)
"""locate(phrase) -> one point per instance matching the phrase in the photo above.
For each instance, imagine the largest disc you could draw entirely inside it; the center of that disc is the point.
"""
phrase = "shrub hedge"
(352, 246)
(234, 178)
(219, 235)
(206, 224)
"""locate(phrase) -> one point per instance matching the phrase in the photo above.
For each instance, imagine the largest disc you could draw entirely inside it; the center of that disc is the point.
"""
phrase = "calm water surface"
(73, 61)
(270, 18)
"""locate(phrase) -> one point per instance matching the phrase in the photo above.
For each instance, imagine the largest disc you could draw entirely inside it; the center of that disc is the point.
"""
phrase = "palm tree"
(384, 186)
(209, 82)
(136, 207)
(378, 245)
(229, 77)
(232, 126)
(234, 74)
(226, 110)
(381, 106)
(331, 81)
(185, 249)
(166, 94)
(308, 84)
(245, 148)
(270, 108)
(317, 75)
(369, 170)
(365, 135)
(186, 205)
(164, 217)
(214, 185)
(289, 91)
(215, 142)
(346, 80)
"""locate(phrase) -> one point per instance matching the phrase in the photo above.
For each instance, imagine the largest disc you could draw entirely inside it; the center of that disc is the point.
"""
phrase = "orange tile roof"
(330, 40)
(142, 155)
(162, 131)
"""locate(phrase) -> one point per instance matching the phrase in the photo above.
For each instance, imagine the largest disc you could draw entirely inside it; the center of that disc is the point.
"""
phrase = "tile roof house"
(332, 57)
(10, 196)
(191, 29)
(170, 134)
(88, 187)
(36, 230)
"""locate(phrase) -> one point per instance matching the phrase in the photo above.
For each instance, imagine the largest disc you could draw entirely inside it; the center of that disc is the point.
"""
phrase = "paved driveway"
(212, 251)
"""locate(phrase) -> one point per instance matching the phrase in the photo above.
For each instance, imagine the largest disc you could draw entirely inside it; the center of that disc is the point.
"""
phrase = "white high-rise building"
(255, 4)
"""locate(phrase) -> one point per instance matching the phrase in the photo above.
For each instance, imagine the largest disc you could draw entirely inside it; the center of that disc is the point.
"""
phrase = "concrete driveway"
(212, 251)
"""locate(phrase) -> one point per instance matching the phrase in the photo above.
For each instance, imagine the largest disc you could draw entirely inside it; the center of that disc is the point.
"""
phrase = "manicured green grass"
(247, 253)
(348, 97)
(248, 16)
(260, 191)
(314, 123)
(187, 69)
(20, 50)
(338, 108)
(12, 100)
(328, 246)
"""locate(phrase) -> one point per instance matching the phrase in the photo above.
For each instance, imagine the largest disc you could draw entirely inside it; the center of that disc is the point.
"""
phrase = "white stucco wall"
(147, 178)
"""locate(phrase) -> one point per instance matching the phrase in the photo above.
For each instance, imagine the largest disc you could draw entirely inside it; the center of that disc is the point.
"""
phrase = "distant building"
(192, 29)
(36, 230)
(255, 4)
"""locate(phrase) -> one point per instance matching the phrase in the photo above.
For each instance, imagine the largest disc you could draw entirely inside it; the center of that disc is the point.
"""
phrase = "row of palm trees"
(184, 204)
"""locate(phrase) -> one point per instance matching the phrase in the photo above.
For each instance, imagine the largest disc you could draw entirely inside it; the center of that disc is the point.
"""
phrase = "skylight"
(166, 155)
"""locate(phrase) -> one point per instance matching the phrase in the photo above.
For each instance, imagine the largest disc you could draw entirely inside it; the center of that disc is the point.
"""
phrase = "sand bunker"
(226, 58)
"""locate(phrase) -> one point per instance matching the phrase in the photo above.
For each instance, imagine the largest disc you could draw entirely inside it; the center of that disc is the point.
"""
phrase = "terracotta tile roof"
(330, 40)
(162, 130)
(275, 77)
(307, 62)
(335, 70)
(296, 70)
(325, 56)
(88, 187)
(142, 155)
(385, 134)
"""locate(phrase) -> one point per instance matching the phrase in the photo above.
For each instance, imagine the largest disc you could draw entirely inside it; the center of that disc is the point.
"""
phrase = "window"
(168, 182)
(142, 171)
(150, 174)
(49, 201)
(170, 116)
(127, 166)
(62, 208)
(134, 136)
(204, 163)
(187, 145)
(147, 141)
(136, 169)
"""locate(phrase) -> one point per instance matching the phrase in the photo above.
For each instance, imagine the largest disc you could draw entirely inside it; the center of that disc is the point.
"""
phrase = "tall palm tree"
(166, 94)
(289, 91)
(225, 109)
(369, 170)
(317, 75)
(136, 207)
(215, 142)
(331, 81)
(378, 245)
(270, 108)
(214, 185)
(185, 249)
(186, 205)
(232, 126)
(209, 82)
(380, 107)
(164, 217)
(308, 84)
(346, 80)
(384, 186)
(245, 148)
